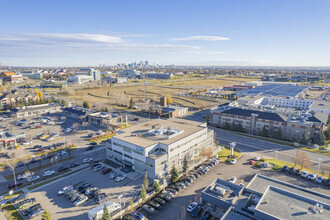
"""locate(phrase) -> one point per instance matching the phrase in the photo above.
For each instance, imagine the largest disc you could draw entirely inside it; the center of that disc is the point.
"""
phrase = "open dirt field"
(99, 95)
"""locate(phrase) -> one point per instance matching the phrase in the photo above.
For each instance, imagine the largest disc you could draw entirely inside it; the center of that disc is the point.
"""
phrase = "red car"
(12, 185)
(252, 162)
(107, 170)
(39, 126)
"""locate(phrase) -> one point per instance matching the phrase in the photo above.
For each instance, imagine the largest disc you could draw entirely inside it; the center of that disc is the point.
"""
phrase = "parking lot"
(62, 208)
(176, 207)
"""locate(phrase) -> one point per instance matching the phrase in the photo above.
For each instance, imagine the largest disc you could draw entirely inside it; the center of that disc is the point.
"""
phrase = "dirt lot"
(99, 96)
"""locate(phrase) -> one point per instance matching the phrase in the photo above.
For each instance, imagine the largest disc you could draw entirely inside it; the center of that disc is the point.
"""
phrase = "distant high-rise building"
(146, 63)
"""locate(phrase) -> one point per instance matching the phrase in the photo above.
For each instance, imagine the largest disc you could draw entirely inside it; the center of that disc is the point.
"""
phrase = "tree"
(302, 160)
(131, 104)
(143, 192)
(239, 127)
(169, 99)
(233, 127)
(319, 138)
(304, 139)
(174, 174)
(106, 109)
(106, 214)
(185, 164)
(63, 102)
(279, 133)
(86, 105)
(145, 181)
(227, 126)
(131, 205)
(46, 216)
(206, 152)
(156, 186)
(207, 118)
(264, 132)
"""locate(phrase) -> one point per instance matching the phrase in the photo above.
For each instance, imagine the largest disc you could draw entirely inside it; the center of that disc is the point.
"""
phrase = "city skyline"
(212, 33)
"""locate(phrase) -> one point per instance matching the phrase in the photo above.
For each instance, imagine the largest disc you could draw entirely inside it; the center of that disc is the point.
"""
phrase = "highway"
(265, 148)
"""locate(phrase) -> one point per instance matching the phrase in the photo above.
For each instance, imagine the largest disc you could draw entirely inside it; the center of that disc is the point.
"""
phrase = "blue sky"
(219, 32)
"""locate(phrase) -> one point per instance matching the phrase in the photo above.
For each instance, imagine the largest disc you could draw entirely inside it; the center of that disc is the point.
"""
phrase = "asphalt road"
(265, 148)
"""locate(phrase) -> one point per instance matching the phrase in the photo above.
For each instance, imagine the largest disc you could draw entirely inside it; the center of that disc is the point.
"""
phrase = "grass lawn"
(225, 152)
(98, 140)
(9, 210)
(280, 164)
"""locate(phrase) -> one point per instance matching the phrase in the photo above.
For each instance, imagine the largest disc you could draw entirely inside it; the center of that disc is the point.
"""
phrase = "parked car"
(148, 208)
(20, 164)
(61, 169)
(319, 179)
(265, 164)
(251, 162)
(48, 173)
(327, 182)
(83, 187)
(113, 175)
(312, 176)
(205, 216)
(12, 185)
(120, 177)
(154, 204)
(100, 197)
(80, 201)
(87, 160)
(25, 203)
(19, 197)
(35, 213)
(24, 176)
(106, 170)
(65, 189)
(138, 216)
(164, 197)
(233, 161)
(298, 172)
(196, 211)
(93, 143)
(284, 168)
(304, 174)
(33, 178)
(32, 209)
(90, 148)
(192, 206)
(232, 179)
(291, 170)
(159, 200)
(75, 164)
(256, 158)
(171, 190)
(98, 167)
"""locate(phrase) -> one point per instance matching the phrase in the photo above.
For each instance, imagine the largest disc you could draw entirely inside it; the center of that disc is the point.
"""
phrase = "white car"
(61, 153)
(24, 176)
(120, 177)
(33, 178)
(192, 207)
(65, 189)
(304, 174)
(233, 161)
(48, 173)
(232, 179)
(266, 164)
(97, 168)
(27, 142)
(87, 160)
(256, 158)
(50, 139)
(312, 176)
(319, 179)
(113, 175)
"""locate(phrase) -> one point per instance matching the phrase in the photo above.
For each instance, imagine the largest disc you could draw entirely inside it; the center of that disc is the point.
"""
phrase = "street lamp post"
(318, 167)
(276, 157)
(119, 197)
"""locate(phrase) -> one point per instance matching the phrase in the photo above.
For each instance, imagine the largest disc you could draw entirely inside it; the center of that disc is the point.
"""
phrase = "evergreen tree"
(233, 127)
(264, 132)
(131, 205)
(174, 174)
(227, 126)
(131, 104)
(143, 192)
(185, 164)
(106, 109)
(63, 102)
(46, 216)
(319, 138)
(156, 186)
(279, 133)
(106, 214)
(145, 181)
(207, 118)
(239, 128)
(304, 139)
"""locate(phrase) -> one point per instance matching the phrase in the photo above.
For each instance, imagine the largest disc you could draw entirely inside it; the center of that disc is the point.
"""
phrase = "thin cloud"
(200, 38)
(57, 43)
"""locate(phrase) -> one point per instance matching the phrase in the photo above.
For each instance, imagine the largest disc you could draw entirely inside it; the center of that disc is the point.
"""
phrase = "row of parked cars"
(22, 201)
(304, 174)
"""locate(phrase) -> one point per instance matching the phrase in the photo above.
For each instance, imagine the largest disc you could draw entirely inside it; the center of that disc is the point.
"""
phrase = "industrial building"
(157, 145)
(95, 74)
(274, 89)
(130, 74)
(264, 198)
(157, 75)
(35, 110)
(109, 79)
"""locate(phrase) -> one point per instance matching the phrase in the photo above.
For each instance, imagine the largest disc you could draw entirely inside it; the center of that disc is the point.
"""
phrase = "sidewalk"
(2, 216)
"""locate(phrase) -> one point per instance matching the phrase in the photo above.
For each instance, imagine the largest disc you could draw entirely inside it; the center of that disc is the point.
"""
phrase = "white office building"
(96, 74)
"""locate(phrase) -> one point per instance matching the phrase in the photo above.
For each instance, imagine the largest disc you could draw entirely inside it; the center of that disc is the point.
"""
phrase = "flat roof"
(276, 90)
(286, 205)
(260, 183)
(137, 134)
(34, 107)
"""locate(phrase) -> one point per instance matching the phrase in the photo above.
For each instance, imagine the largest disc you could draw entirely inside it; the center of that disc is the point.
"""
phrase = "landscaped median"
(225, 152)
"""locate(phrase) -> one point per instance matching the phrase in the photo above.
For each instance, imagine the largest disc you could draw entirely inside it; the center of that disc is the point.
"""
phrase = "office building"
(80, 79)
(32, 74)
(95, 74)
(130, 74)
(157, 145)
(157, 75)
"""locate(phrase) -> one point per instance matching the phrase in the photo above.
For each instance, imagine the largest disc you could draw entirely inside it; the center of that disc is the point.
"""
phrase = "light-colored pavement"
(260, 147)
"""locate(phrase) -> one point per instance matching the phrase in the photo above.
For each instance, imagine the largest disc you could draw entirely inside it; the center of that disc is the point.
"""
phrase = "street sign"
(233, 144)
(2, 198)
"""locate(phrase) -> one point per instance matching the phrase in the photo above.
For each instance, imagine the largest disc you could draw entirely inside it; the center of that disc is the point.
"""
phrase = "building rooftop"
(171, 130)
(286, 205)
(276, 90)
(261, 114)
(34, 107)
(260, 183)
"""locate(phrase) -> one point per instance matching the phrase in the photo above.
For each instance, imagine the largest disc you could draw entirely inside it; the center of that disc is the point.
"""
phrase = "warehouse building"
(157, 145)
(35, 110)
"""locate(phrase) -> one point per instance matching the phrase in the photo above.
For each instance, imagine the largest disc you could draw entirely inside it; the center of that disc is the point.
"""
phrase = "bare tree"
(76, 126)
(206, 152)
(302, 160)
